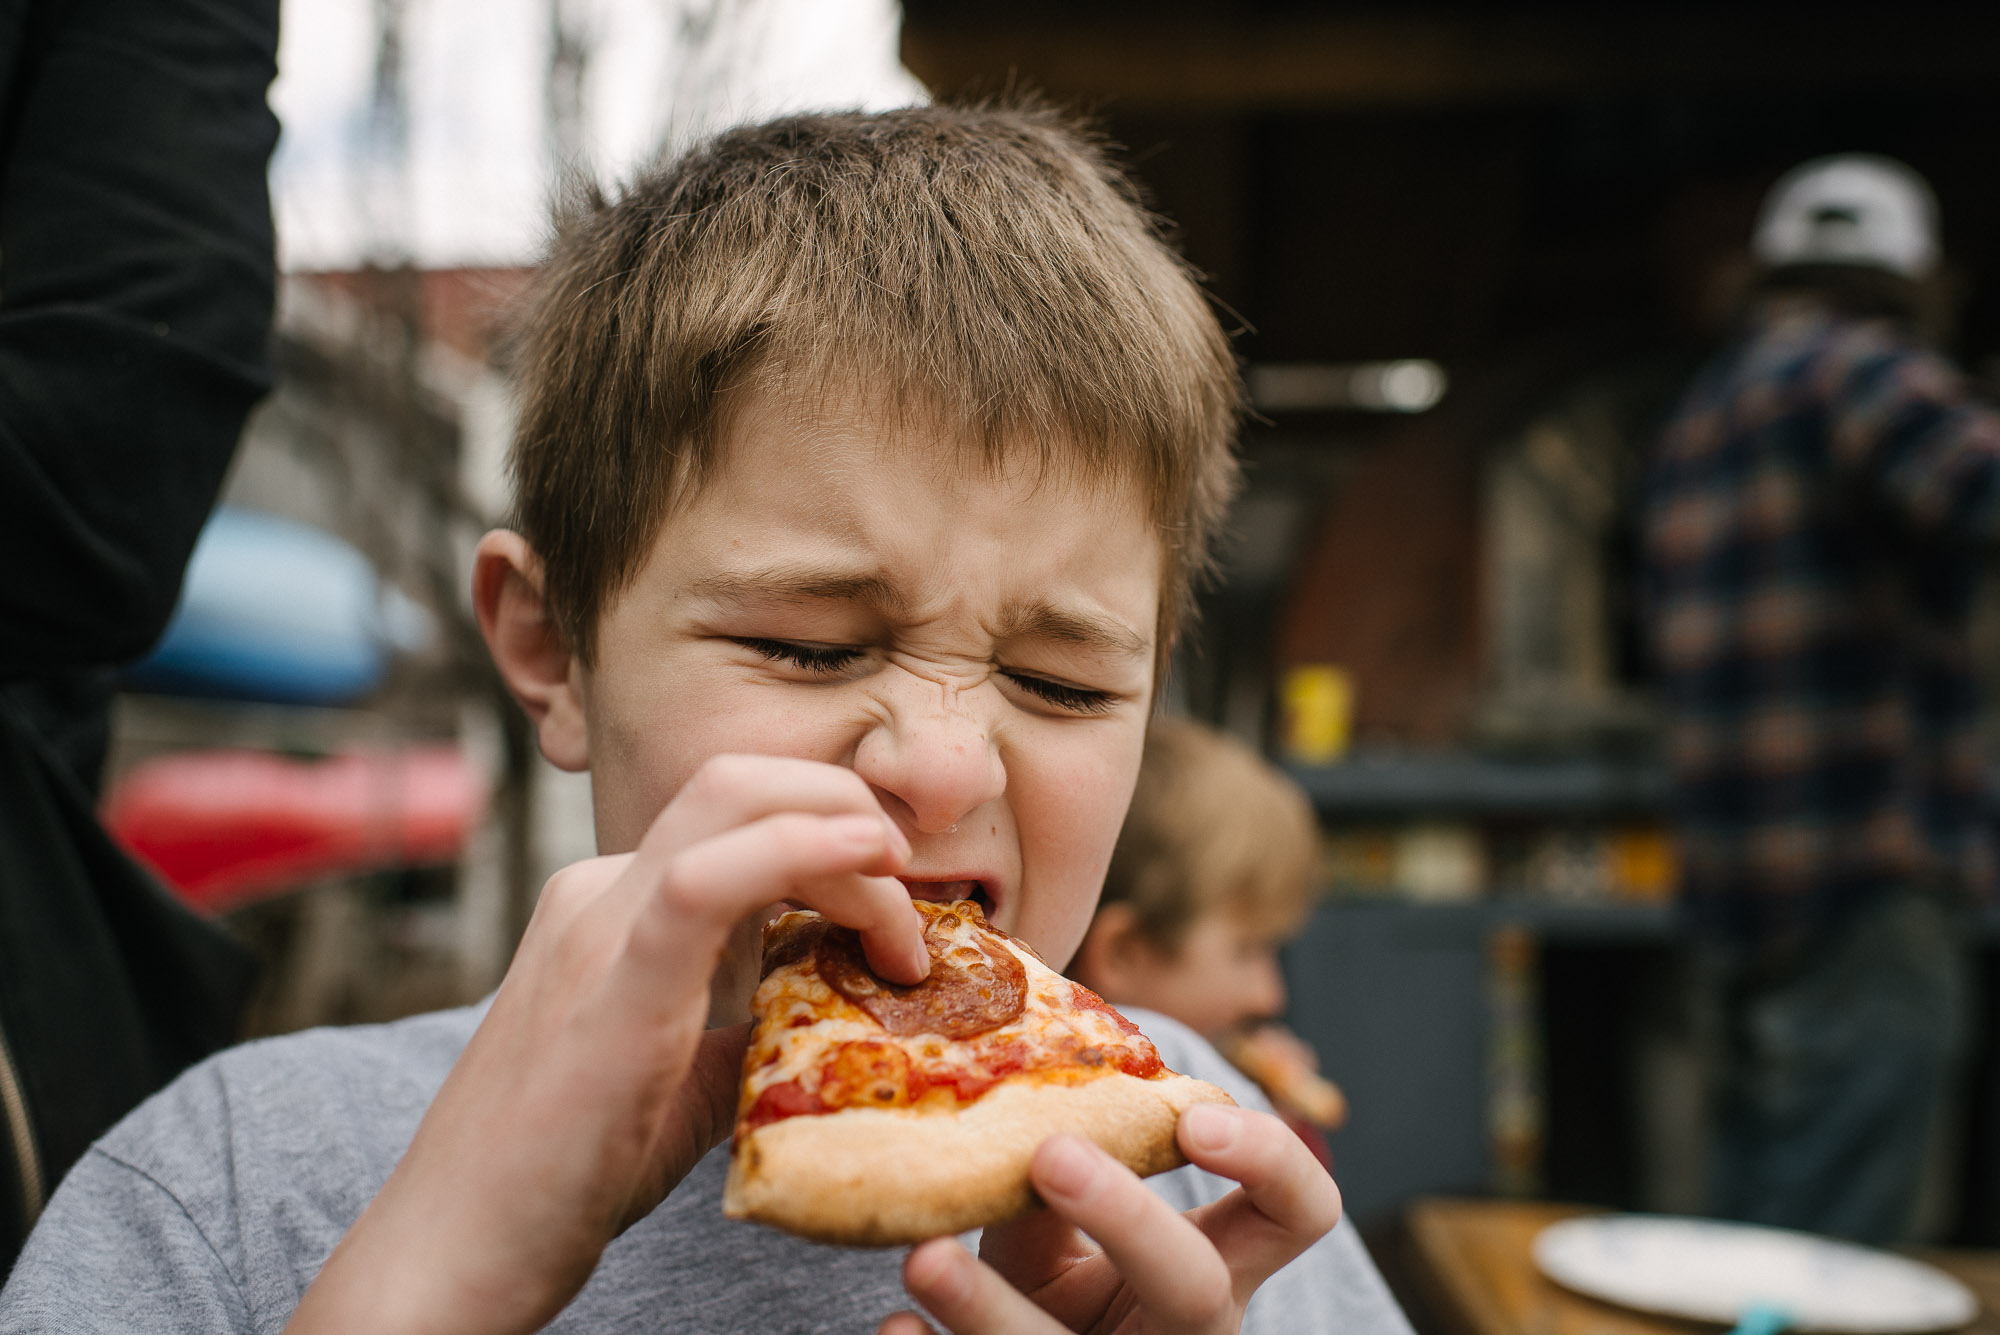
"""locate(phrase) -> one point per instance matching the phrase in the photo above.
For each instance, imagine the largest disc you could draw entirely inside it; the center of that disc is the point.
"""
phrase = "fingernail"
(859, 833)
(1068, 1168)
(897, 839)
(1210, 1126)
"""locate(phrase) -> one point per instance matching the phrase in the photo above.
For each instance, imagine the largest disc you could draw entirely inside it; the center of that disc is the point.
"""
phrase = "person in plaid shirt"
(1813, 523)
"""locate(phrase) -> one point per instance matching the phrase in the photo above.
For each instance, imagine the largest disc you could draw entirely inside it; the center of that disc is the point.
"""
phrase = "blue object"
(273, 610)
(1761, 1319)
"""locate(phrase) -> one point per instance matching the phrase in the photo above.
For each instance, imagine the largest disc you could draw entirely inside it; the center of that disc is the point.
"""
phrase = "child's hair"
(983, 270)
(1212, 826)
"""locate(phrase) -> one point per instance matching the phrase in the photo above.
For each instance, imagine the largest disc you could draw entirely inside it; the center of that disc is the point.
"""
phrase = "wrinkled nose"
(934, 755)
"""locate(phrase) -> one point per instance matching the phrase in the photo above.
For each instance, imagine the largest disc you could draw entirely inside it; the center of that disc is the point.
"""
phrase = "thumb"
(1034, 1249)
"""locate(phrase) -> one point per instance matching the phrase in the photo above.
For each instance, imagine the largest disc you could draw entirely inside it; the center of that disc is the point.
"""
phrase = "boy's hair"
(983, 270)
(1212, 826)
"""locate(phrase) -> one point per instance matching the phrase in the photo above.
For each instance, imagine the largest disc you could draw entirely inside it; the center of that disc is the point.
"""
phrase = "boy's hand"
(592, 1087)
(1158, 1271)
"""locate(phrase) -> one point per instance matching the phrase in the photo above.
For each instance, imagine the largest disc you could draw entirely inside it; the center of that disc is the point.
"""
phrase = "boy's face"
(1225, 972)
(977, 648)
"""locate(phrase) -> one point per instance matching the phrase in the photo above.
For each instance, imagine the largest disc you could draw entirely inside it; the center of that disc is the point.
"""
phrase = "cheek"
(650, 732)
(1069, 804)
(1226, 968)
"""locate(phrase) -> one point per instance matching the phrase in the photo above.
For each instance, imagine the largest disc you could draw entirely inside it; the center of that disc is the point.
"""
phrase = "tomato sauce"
(789, 1099)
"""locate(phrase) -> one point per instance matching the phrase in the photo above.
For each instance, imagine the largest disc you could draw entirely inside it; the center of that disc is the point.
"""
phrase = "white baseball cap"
(1852, 209)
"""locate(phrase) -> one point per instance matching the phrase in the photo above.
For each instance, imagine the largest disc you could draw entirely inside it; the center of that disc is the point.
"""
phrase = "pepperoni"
(790, 939)
(974, 987)
(1143, 1062)
(1084, 999)
(1139, 1057)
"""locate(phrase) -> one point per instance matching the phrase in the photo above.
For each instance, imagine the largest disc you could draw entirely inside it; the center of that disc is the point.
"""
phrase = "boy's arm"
(592, 1086)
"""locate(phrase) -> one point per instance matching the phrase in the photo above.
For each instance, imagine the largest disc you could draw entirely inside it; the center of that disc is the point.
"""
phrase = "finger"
(905, 1323)
(573, 889)
(689, 905)
(1044, 1256)
(878, 907)
(1034, 1250)
(1286, 1201)
(732, 790)
(969, 1298)
(1171, 1266)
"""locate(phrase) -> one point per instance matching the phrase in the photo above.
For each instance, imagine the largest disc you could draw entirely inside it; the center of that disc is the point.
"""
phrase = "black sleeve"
(135, 302)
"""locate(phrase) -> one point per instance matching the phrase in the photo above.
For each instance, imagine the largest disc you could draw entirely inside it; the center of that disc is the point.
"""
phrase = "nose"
(935, 755)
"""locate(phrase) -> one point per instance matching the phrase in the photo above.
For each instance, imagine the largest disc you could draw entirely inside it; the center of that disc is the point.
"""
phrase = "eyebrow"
(1042, 621)
(800, 584)
(817, 583)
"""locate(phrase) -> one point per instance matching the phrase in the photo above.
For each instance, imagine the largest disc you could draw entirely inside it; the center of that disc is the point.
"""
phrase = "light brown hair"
(1213, 825)
(986, 268)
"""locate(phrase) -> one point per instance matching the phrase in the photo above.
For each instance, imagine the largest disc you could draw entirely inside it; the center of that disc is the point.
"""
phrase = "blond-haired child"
(1214, 869)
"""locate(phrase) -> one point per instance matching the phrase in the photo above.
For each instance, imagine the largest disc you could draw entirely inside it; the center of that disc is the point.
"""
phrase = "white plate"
(1712, 1271)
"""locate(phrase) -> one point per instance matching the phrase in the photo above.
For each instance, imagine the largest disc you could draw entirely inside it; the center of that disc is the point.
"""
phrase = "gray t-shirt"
(213, 1205)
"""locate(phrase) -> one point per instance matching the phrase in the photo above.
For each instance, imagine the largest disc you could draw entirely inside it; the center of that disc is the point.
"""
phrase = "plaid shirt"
(1810, 531)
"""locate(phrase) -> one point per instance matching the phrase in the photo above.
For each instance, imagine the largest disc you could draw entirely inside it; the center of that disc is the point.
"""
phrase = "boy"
(863, 466)
(1212, 871)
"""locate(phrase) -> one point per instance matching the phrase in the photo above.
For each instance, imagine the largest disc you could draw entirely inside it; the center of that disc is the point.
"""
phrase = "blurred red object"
(227, 827)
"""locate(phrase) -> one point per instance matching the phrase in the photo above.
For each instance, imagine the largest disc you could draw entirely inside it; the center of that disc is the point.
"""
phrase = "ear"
(533, 658)
(1104, 962)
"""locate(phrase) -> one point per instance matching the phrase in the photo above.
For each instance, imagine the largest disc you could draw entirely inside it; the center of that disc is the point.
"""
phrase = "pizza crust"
(869, 1177)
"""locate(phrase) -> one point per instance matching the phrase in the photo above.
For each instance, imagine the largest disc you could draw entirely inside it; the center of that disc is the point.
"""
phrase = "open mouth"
(947, 892)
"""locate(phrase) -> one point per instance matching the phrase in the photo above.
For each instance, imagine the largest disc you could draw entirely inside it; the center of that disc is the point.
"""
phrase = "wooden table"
(1474, 1261)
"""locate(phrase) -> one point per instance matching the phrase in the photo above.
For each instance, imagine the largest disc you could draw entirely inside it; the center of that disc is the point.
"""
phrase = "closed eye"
(816, 658)
(1076, 699)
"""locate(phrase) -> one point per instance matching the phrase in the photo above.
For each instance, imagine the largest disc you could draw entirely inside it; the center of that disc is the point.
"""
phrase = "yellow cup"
(1319, 711)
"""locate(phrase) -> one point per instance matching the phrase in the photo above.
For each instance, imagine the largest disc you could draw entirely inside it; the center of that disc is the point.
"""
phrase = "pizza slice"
(1287, 1070)
(874, 1114)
